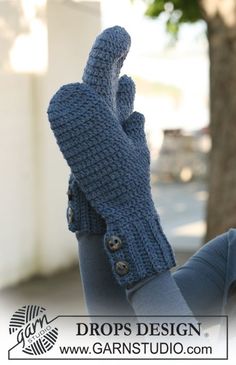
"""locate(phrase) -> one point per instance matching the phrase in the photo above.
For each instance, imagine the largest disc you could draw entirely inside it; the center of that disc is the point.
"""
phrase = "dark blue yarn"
(111, 163)
(111, 46)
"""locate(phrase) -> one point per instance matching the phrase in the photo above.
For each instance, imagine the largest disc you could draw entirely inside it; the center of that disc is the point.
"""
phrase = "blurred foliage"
(177, 12)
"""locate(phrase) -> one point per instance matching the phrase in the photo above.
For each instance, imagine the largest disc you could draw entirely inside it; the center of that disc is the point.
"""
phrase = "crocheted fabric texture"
(111, 164)
(101, 74)
(81, 216)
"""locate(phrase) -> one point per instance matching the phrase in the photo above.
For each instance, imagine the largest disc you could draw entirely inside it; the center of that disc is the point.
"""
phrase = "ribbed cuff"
(138, 249)
(81, 216)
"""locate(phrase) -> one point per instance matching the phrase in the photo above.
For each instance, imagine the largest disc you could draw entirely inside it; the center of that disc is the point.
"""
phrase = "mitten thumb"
(125, 98)
(134, 127)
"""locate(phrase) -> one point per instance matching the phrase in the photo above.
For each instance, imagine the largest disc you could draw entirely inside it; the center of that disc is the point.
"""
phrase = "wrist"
(137, 248)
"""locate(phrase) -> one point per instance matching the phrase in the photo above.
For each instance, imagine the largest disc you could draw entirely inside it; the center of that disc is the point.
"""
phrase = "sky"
(183, 67)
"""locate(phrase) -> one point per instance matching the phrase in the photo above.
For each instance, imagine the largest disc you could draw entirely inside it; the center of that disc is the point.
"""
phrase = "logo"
(32, 329)
(95, 337)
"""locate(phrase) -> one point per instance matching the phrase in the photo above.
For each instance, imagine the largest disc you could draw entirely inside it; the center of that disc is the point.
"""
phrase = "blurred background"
(183, 60)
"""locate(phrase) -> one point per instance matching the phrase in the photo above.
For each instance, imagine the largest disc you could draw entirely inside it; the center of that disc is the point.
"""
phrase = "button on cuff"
(122, 268)
(70, 215)
(113, 243)
(69, 194)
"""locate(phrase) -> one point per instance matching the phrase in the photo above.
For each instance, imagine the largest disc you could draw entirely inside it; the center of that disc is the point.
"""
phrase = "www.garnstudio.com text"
(136, 348)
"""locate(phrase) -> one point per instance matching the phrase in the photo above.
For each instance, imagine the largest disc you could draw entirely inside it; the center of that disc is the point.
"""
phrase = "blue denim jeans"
(203, 285)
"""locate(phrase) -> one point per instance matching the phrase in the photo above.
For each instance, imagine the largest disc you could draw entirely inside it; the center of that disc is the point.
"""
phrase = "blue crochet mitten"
(81, 216)
(101, 73)
(111, 164)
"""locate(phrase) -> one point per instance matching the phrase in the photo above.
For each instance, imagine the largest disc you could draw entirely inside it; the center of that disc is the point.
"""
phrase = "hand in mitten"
(101, 74)
(111, 164)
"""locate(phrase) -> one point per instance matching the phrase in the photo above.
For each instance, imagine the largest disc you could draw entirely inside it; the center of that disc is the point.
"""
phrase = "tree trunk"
(221, 22)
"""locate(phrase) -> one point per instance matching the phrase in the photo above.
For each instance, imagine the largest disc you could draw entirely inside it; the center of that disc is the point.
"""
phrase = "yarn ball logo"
(34, 332)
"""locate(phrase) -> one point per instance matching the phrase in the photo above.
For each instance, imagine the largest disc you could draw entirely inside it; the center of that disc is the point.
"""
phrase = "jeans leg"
(202, 278)
(207, 282)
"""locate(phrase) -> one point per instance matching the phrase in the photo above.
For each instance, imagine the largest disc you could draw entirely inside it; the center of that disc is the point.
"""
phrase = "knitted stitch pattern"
(111, 164)
(111, 46)
(81, 216)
